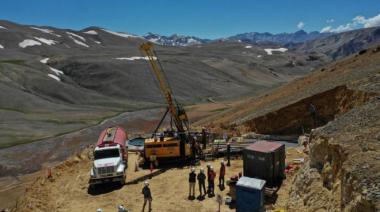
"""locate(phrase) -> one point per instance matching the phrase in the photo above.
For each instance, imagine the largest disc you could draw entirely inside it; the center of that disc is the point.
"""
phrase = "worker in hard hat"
(121, 208)
(192, 180)
(147, 196)
(99, 210)
(201, 181)
(222, 173)
(211, 181)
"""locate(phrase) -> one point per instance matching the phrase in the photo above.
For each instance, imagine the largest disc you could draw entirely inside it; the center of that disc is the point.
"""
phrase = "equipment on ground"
(172, 144)
(250, 194)
(110, 157)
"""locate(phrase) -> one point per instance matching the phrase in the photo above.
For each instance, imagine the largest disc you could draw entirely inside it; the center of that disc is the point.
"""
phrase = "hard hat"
(99, 210)
(202, 170)
(208, 164)
(121, 208)
(212, 168)
(146, 183)
(222, 162)
(192, 169)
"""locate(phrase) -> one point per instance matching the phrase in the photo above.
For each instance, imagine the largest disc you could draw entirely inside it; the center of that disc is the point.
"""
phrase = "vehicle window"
(109, 153)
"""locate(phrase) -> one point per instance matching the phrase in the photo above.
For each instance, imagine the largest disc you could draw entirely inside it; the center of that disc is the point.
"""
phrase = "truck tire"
(122, 181)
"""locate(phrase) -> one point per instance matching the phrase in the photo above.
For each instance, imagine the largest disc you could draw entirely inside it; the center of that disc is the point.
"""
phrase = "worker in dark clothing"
(204, 138)
(147, 196)
(192, 180)
(208, 177)
(211, 181)
(222, 173)
(193, 149)
(201, 181)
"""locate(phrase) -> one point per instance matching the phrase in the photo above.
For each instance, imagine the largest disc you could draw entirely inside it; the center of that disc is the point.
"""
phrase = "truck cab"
(110, 157)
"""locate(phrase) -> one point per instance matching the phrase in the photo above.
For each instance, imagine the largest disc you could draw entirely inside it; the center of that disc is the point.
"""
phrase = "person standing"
(208, 177)
(222, 173)
(147, 196)
(192, 180)
(204, 138)
(211, 181)
(201, 181)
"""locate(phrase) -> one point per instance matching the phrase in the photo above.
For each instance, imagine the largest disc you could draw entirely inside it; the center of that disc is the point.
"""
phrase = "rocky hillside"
(343, 44)
(287, 110)
(344, 168)
(59, 80)
(55, 80)
(342, 103)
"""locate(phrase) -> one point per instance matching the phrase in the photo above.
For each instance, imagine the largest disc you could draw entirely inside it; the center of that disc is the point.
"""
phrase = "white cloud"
(340, 28)
(329, 21)
(300, 25)
(370, 22)
(326, 29)
(356, 23)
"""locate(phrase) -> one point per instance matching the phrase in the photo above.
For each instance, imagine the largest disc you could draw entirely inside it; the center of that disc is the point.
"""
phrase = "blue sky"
(202, 18)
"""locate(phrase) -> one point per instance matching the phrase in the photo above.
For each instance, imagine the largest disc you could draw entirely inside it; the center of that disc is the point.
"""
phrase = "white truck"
(110, 157)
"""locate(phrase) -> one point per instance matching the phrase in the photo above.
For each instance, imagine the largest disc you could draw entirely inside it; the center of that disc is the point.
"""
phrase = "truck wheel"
(92, 187)
(122, 181)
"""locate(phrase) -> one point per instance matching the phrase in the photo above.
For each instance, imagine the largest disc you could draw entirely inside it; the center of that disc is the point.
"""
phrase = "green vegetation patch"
(15, 62)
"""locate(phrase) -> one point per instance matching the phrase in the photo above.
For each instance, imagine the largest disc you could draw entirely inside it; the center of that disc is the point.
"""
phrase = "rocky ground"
(344, 168)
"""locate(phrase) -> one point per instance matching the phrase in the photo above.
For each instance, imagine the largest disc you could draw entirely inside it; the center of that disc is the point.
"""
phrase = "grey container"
(250, 195)
(265, 160)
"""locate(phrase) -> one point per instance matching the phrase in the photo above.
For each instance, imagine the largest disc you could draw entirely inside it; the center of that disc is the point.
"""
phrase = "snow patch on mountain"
(46, 41)
(134, 58)
(45, 60)
(91, 32)
(47, 31)
(270, 51)
(1, 46)
(1, 27)
(248, 47)
(54, 77)
(120, 34)
(56, 71)
(77, 36)
(78, 42)
(29, 42)
(98, 42)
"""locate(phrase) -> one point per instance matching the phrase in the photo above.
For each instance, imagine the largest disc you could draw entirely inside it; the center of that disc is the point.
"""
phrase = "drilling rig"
(172, 144)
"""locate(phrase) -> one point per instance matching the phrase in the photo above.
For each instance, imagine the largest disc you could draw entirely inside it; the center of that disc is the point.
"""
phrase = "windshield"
(109, 153)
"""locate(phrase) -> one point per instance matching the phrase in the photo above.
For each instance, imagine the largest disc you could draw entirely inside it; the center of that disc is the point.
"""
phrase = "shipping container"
(250, 195)
(265, 160)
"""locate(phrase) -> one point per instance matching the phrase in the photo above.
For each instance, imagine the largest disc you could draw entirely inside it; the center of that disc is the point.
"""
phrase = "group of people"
(201, 177)
(193, 177)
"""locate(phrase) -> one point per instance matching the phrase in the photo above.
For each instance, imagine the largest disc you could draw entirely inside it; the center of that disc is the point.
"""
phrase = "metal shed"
(265, 160)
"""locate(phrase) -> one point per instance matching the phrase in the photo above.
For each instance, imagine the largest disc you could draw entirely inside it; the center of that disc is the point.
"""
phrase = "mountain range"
(250, 37)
